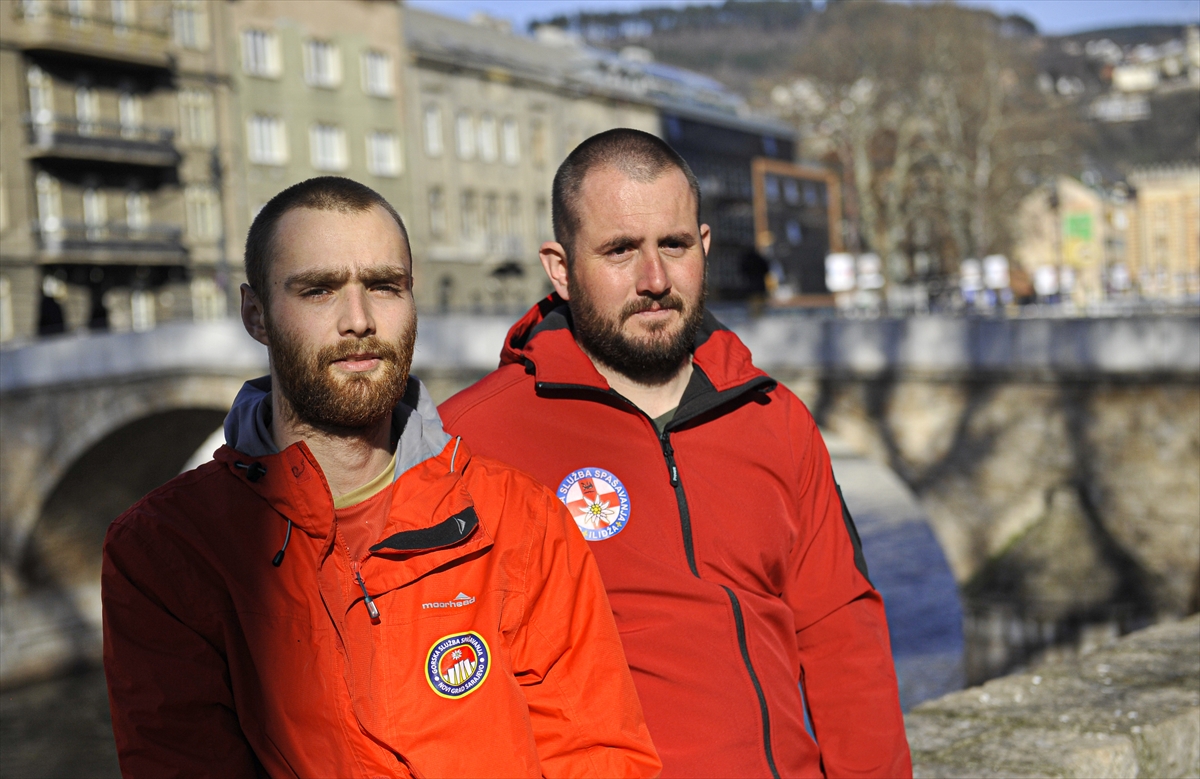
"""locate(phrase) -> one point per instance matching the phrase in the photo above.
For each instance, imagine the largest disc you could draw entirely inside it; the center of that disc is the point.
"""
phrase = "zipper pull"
(669, 453)
(372, 610)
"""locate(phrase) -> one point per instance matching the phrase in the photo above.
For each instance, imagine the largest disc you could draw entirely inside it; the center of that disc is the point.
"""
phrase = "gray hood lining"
(415, 423)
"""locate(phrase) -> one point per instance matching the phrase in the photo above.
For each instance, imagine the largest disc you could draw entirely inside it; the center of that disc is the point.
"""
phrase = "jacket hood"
(415, 422)
(544, 338)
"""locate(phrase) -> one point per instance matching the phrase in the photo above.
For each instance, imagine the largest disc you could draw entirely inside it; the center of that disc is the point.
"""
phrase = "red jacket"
(733, 570)
(494, 652)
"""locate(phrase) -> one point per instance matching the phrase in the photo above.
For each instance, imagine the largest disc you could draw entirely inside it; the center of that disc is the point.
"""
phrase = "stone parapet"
(1130, 709)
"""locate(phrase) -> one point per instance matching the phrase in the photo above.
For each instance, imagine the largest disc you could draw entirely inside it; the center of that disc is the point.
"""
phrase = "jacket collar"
(292, 481)
(431, 520)
(415, 423)
(544, 341)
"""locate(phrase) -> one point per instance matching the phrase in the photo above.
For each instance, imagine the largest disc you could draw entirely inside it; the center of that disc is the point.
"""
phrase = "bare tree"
(933, 115)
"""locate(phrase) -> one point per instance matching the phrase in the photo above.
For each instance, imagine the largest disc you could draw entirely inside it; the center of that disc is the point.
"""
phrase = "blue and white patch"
(458, 664)
(597, 500)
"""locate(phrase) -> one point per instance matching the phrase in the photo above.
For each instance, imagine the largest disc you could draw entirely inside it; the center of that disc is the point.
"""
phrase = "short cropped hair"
(323, 193)
(639, 155)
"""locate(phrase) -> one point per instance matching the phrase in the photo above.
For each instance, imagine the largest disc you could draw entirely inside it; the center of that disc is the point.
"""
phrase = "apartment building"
(1164, 252)
(318, 91)
(492, 115)
(111, 184)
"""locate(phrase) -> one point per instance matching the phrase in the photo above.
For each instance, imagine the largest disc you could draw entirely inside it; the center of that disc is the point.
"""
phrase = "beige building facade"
(1135, 240)
(111, 192)
(1164, 252)
(318, 92)
(491, 115)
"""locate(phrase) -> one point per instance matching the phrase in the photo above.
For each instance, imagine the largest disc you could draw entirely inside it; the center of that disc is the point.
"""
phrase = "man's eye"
(315, 292)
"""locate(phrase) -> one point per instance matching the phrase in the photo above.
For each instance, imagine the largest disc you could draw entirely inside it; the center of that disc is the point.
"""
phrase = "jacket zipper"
(372, 609)
(685, 521)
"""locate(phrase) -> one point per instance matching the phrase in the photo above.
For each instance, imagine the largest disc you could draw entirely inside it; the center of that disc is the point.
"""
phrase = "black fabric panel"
(700, 396)
(860, 562)
(708, 325)
(445, 533)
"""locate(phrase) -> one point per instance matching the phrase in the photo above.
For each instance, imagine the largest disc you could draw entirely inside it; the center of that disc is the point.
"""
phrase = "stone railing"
(1131, 709)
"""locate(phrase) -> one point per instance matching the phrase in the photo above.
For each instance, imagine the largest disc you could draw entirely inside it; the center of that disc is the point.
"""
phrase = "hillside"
(752, 46)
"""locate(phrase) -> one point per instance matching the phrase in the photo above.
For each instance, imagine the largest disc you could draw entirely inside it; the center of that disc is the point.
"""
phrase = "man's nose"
(653, 279)
(354, 314)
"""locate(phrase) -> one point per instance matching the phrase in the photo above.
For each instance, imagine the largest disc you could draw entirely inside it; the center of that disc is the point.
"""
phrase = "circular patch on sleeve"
(597, 500)
(457, 664)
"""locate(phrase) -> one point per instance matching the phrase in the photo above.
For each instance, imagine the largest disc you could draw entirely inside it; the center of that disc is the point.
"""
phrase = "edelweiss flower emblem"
(597, 501)
(598, 514)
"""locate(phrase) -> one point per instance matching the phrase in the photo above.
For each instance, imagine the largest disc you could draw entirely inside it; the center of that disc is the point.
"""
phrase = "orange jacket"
(494, 652)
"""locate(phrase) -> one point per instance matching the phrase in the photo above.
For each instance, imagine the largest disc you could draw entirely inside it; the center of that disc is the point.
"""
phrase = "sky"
(1053, 17)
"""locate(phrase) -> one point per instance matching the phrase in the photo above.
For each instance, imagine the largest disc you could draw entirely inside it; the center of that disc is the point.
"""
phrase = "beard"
(651, 360)
(323, 400)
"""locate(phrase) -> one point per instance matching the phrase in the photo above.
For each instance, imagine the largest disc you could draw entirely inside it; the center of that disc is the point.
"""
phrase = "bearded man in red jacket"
(732, 565)
(345, 590)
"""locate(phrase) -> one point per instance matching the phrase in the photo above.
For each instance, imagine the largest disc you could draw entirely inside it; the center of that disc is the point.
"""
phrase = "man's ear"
(705, 238)
(254, 318)
(554, 261)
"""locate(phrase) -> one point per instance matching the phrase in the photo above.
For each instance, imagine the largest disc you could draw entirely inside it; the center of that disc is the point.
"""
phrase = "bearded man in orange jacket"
(732, 565)
(345, 590)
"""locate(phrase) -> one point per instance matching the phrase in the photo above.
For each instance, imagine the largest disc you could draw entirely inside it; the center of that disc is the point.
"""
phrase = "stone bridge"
(1015, 438)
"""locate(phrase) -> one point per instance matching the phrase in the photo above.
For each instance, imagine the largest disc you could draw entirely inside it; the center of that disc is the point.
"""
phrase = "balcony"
(69, 138)
(73, 242)
(45, 26)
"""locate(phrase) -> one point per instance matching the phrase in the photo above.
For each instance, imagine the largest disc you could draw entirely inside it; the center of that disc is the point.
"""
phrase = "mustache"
(670, 302)
(328, 355)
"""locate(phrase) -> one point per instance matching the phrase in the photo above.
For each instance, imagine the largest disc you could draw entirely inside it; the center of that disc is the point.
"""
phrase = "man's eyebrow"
(336, 277)
(383, 273)
(684, 238)
(620, 240)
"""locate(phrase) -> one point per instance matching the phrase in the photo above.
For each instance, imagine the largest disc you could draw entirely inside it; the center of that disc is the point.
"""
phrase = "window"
(327, 147)
(470, 215)
(464, 132)
(266, 140)
(142, 303)
(208, 301)
(487, 138)
(41, 95)
(124, 14)
(49, 201)
(322, 64)
(7, 329)
(137, 210)
(203, 212)
(514, 217)
(31, 9)
(542, 211)
(129, 109)
(197, 125)
(491, 221)
(537, 143)
(433, 131)
(437, 212)
(87, 110)
(80, 12)
(383, 153)
(189, 22)
(512, 142)
(377, 73)
(260, 54)
(95, 212)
